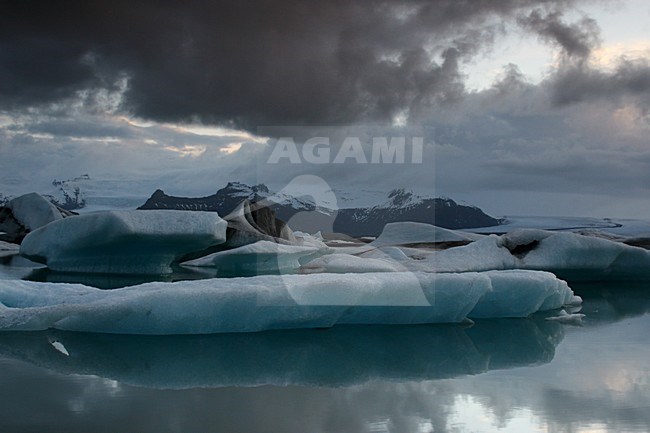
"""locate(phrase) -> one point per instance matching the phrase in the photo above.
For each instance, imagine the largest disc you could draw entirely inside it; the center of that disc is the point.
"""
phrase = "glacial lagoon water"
(514, 375)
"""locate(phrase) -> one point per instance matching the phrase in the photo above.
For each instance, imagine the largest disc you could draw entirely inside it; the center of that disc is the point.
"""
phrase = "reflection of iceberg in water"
(609, 302)
(338, 356)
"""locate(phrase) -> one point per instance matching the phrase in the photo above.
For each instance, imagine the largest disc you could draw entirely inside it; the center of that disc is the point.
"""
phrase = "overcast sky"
(524, 107)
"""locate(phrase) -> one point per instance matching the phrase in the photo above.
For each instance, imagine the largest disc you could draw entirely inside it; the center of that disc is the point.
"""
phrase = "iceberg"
(406, 233)
(27, 213)
(262, 257)
(277, 302)
(8, 249)
(568, 255)
(571, 256)
(123, 242)
(339, 263)
(8, 246)
(33, 211)
(577, 257)
(486, 254)
(522, 293)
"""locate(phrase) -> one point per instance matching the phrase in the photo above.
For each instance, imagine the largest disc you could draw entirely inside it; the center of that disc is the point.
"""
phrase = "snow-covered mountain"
(305, 213)
(403, 205)
(226, 199)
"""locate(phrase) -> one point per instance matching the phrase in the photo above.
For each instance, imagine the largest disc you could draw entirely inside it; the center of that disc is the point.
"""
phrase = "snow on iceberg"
(27, 213)
(33, 211)
(261, 257)
(276, 302)
(123, 242)
(339, 263)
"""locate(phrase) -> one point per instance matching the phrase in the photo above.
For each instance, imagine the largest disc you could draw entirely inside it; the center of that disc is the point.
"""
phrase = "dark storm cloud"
(576, 79)
(577, 39)
(577, 83)
(254, 63)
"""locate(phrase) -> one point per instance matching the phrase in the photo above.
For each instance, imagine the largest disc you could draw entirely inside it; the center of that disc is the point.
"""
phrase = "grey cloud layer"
(258, 63)
(64, 68)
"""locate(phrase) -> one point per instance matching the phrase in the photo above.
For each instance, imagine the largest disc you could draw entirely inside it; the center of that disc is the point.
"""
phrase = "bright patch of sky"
(624, 30)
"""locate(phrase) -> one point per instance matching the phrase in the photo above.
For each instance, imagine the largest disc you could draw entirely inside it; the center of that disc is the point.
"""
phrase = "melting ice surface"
(280, 301)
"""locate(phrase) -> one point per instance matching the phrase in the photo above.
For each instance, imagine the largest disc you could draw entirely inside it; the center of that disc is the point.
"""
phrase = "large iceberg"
(279, 302)
(569, 255)
(123, 242)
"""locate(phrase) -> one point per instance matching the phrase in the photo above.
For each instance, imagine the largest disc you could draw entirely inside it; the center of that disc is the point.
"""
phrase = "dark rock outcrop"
(405, 206)
(250, 223)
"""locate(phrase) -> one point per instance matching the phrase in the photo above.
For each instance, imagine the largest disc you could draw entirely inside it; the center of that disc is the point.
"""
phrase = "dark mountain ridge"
(302, 213)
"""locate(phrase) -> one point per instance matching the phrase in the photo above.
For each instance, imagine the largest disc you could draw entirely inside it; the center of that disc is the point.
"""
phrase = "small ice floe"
(60, 347)
(568, 318)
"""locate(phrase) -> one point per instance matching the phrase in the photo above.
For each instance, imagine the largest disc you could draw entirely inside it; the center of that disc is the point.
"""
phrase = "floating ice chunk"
(521, 293)
(568, 319)
(257, 258)
(270, 302)
(60, 347)
(26, 213)
(8, 249)
(568, 255)
(483, 255)
(33, 211)
(404, 233)
(126, 242)
(578, 257)
(8, 246)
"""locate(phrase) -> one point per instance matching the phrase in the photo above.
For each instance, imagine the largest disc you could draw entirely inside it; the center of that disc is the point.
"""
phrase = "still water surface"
(519, 375)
